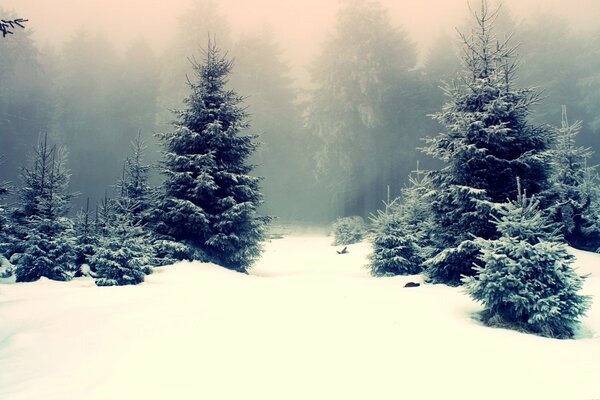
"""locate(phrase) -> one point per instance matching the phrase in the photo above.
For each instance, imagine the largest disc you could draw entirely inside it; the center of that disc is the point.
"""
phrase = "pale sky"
(299, 24)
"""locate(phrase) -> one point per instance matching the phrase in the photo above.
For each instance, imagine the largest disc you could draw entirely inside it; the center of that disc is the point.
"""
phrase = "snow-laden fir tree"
(137, 198)
(86, 237)
(401, 231)
(48, 248)
(134, 182)
(211, 200)
(124, 251)
(488, 142)
(571, 193)
(348, 230)
(525, 278)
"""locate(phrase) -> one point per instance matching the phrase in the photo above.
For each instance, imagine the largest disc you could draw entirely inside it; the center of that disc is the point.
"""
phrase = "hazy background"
(299, 24)
(92, 73)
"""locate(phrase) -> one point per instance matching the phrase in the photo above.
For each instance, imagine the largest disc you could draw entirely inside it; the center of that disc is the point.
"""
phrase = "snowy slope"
(308, 324)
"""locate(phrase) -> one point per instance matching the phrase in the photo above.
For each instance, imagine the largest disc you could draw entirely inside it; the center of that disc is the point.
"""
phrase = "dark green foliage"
(168, 251)
(525, 278)
(487, 144)
(86, 235)
(123, 254)
(571, 195)
(47, 245)
(49, 251)
(450, 265)
(211, 201)
(401, 241)
(395, 250)
(133, 184)
(348, 230)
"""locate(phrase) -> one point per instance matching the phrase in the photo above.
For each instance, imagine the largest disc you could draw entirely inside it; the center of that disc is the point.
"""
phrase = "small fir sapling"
(525, 280)
(401, 231)
(348, 230)
(124, 251)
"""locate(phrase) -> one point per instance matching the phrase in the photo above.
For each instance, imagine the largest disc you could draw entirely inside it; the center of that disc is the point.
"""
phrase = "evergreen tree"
(525, 280)
(49, 244)
(86, 237)
(488, 142)
(134, 181)
(570, 196)
(364, 100)
(210, 200)
(400, 239)
(123, 253)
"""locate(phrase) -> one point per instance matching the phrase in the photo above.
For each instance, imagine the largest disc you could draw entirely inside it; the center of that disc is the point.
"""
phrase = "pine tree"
(211, 200)
(570, 196)
(123, 253)
(49, 245)
(525, 280)
(401, 232)
(488, 142)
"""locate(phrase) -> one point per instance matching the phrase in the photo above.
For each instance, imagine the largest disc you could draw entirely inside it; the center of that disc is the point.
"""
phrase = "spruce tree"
(488, 142)
(124, 251)
(525, 278)
(401, 231)
(85, 231)
(134, 181)
(49, 245)
(210, 200)
(570, 196)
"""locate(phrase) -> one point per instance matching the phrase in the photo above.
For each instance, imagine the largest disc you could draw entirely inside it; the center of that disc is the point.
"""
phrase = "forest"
(378, 220)
(328, 149)
(114, 164)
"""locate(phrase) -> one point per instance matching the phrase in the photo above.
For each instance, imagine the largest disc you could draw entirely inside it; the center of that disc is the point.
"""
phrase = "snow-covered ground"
(307, 324)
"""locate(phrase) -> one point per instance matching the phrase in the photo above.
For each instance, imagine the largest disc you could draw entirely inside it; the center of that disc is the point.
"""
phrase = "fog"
(93, 73)
(299, 25)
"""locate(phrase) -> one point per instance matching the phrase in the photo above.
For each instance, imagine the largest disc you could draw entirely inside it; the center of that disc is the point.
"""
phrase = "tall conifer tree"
(211, 201)
(49, 247)
(488, 142)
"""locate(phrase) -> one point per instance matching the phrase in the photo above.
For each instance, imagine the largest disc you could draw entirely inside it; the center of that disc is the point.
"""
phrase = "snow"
(306, 324)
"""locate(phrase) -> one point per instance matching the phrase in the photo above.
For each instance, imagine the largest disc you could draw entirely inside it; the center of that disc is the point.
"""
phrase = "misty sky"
(300, 24)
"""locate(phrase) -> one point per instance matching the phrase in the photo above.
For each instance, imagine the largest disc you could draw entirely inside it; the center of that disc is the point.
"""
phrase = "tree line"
(328, 151)
(205, 209)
